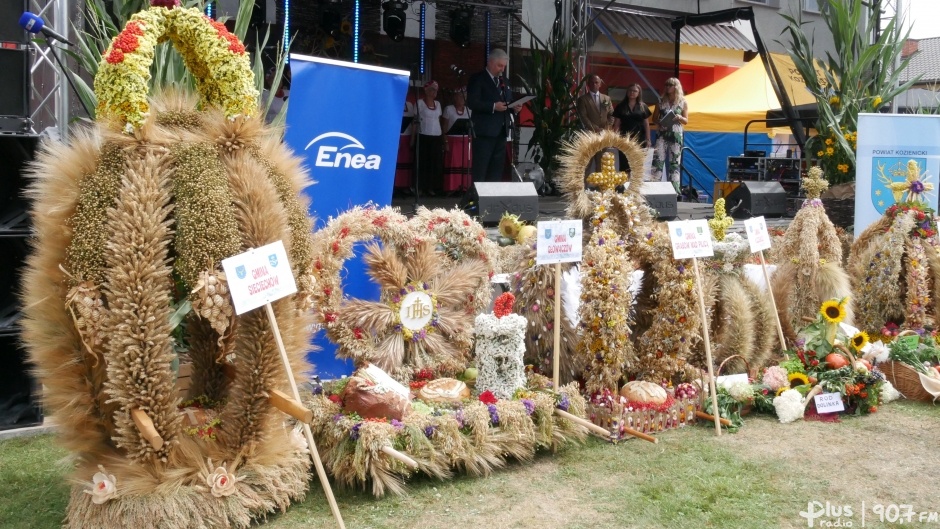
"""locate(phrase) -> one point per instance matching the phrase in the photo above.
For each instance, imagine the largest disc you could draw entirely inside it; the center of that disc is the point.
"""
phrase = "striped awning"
(658, 29)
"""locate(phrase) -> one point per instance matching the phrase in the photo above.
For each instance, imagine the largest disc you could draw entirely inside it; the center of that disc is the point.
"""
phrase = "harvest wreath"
(215, 57)
(124, 282)
(472, 435)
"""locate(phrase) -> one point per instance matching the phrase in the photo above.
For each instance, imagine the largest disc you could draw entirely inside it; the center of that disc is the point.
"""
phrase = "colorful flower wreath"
(460, 237)
(215, 57)
(333, 245)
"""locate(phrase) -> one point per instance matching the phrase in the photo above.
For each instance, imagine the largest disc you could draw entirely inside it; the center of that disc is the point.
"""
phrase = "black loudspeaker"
(662, 198)
(10, 30)
(752, 199)
(496, 198)
(14, 63)
(19, 405)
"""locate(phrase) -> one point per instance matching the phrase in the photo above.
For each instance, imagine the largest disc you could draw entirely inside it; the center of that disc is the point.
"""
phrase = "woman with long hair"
(671, 116)
(631, 119)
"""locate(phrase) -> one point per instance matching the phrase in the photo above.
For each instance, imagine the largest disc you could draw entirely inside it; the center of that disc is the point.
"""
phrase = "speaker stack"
(14, 63)
(752, 199)
(495, 198)
(19, 403)
(661, 198)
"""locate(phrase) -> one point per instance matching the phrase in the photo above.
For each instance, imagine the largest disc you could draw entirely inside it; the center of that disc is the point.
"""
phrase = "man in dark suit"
(488, 96)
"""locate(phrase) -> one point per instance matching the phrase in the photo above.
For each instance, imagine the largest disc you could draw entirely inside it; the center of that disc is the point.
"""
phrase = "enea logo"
(332, 156)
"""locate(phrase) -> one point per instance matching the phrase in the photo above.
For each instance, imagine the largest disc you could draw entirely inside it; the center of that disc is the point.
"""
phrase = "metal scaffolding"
(48, 86)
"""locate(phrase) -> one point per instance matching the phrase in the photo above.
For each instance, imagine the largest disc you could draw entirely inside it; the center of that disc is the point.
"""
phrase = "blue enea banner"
(344, 120)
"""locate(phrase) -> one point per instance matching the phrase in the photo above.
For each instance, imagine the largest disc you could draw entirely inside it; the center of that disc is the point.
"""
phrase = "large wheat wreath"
(130, 229)
(622, 237)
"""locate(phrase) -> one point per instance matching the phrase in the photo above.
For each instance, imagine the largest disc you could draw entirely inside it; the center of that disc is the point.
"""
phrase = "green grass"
(31, 478)
(690, 479)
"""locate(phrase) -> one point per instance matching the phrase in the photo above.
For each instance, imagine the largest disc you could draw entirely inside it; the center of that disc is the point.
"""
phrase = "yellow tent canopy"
(729, 103)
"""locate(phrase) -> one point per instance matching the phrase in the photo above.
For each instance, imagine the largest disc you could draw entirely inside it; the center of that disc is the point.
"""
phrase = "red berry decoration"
(503, 304)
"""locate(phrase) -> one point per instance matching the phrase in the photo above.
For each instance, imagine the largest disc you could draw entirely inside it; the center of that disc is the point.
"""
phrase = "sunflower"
(801, 377)
(859, 340)
(781, 389)
(833, 311)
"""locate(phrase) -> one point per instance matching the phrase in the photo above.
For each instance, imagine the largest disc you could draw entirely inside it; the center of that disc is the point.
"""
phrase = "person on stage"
(430, 145)
(594, 108)
(457, 110)
(671, 116)
(631, 119)
(488, 96)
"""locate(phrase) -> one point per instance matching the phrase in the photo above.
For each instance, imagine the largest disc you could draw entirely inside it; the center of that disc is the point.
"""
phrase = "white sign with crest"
(559, 241)
(690, 238)
(259, 276)
(757, 235)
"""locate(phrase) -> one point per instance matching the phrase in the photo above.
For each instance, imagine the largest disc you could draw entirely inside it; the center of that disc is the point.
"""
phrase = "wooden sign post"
(692, 239)
(759, 240)
(258, 277)
(558, 241)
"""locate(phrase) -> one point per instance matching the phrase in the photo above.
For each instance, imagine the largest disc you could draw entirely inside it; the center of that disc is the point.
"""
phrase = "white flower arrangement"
(789, 406)
(877, 352)
(500, 346)
(734, 249)
(103, 486)
(889, 392)
(741, 392)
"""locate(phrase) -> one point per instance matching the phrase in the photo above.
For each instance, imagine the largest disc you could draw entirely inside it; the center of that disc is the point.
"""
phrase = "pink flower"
(775, 377)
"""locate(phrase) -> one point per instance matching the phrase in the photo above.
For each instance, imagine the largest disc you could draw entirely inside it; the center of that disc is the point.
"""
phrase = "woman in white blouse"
(430, 144)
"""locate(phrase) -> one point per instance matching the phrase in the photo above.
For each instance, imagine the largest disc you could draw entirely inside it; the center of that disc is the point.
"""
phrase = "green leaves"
(550, 70)
(857, 76)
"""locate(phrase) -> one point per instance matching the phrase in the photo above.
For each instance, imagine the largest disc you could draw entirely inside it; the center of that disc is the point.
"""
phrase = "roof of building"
(925, 62)
(658, 29)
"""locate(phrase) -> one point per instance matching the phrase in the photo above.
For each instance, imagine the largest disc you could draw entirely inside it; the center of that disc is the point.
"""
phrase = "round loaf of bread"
(444, 390)
(642, 391)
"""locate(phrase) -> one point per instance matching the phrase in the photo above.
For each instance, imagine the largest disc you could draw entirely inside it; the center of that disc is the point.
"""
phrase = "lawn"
(761, 477)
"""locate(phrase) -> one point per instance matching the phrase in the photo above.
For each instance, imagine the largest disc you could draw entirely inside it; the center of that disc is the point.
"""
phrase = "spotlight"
(393, 19)
(460, 19)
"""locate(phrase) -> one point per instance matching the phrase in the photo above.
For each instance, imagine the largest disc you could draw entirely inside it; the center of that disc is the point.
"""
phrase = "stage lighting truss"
(460, 28)
(393, 19)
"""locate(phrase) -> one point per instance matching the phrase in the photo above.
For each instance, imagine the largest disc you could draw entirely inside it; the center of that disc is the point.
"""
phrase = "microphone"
(34, 24)
(456, 70)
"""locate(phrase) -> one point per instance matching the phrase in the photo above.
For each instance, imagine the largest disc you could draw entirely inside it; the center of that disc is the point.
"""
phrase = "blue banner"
(344, 120)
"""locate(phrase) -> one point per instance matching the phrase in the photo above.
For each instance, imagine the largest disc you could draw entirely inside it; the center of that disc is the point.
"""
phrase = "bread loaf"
(641, 391)
(444, 390)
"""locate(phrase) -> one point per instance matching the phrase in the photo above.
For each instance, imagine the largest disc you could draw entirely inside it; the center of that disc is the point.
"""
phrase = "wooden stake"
(703, 415)
(314, 454)
(600, 430)
(708, 344)
(286, 404)
(557, 354)
(146, 428)
(763, 265)
(395, 454)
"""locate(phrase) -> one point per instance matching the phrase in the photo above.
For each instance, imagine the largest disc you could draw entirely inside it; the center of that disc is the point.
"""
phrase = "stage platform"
(553, 207)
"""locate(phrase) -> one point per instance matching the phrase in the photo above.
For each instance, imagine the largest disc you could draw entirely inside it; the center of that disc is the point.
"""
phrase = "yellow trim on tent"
(729, 103)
